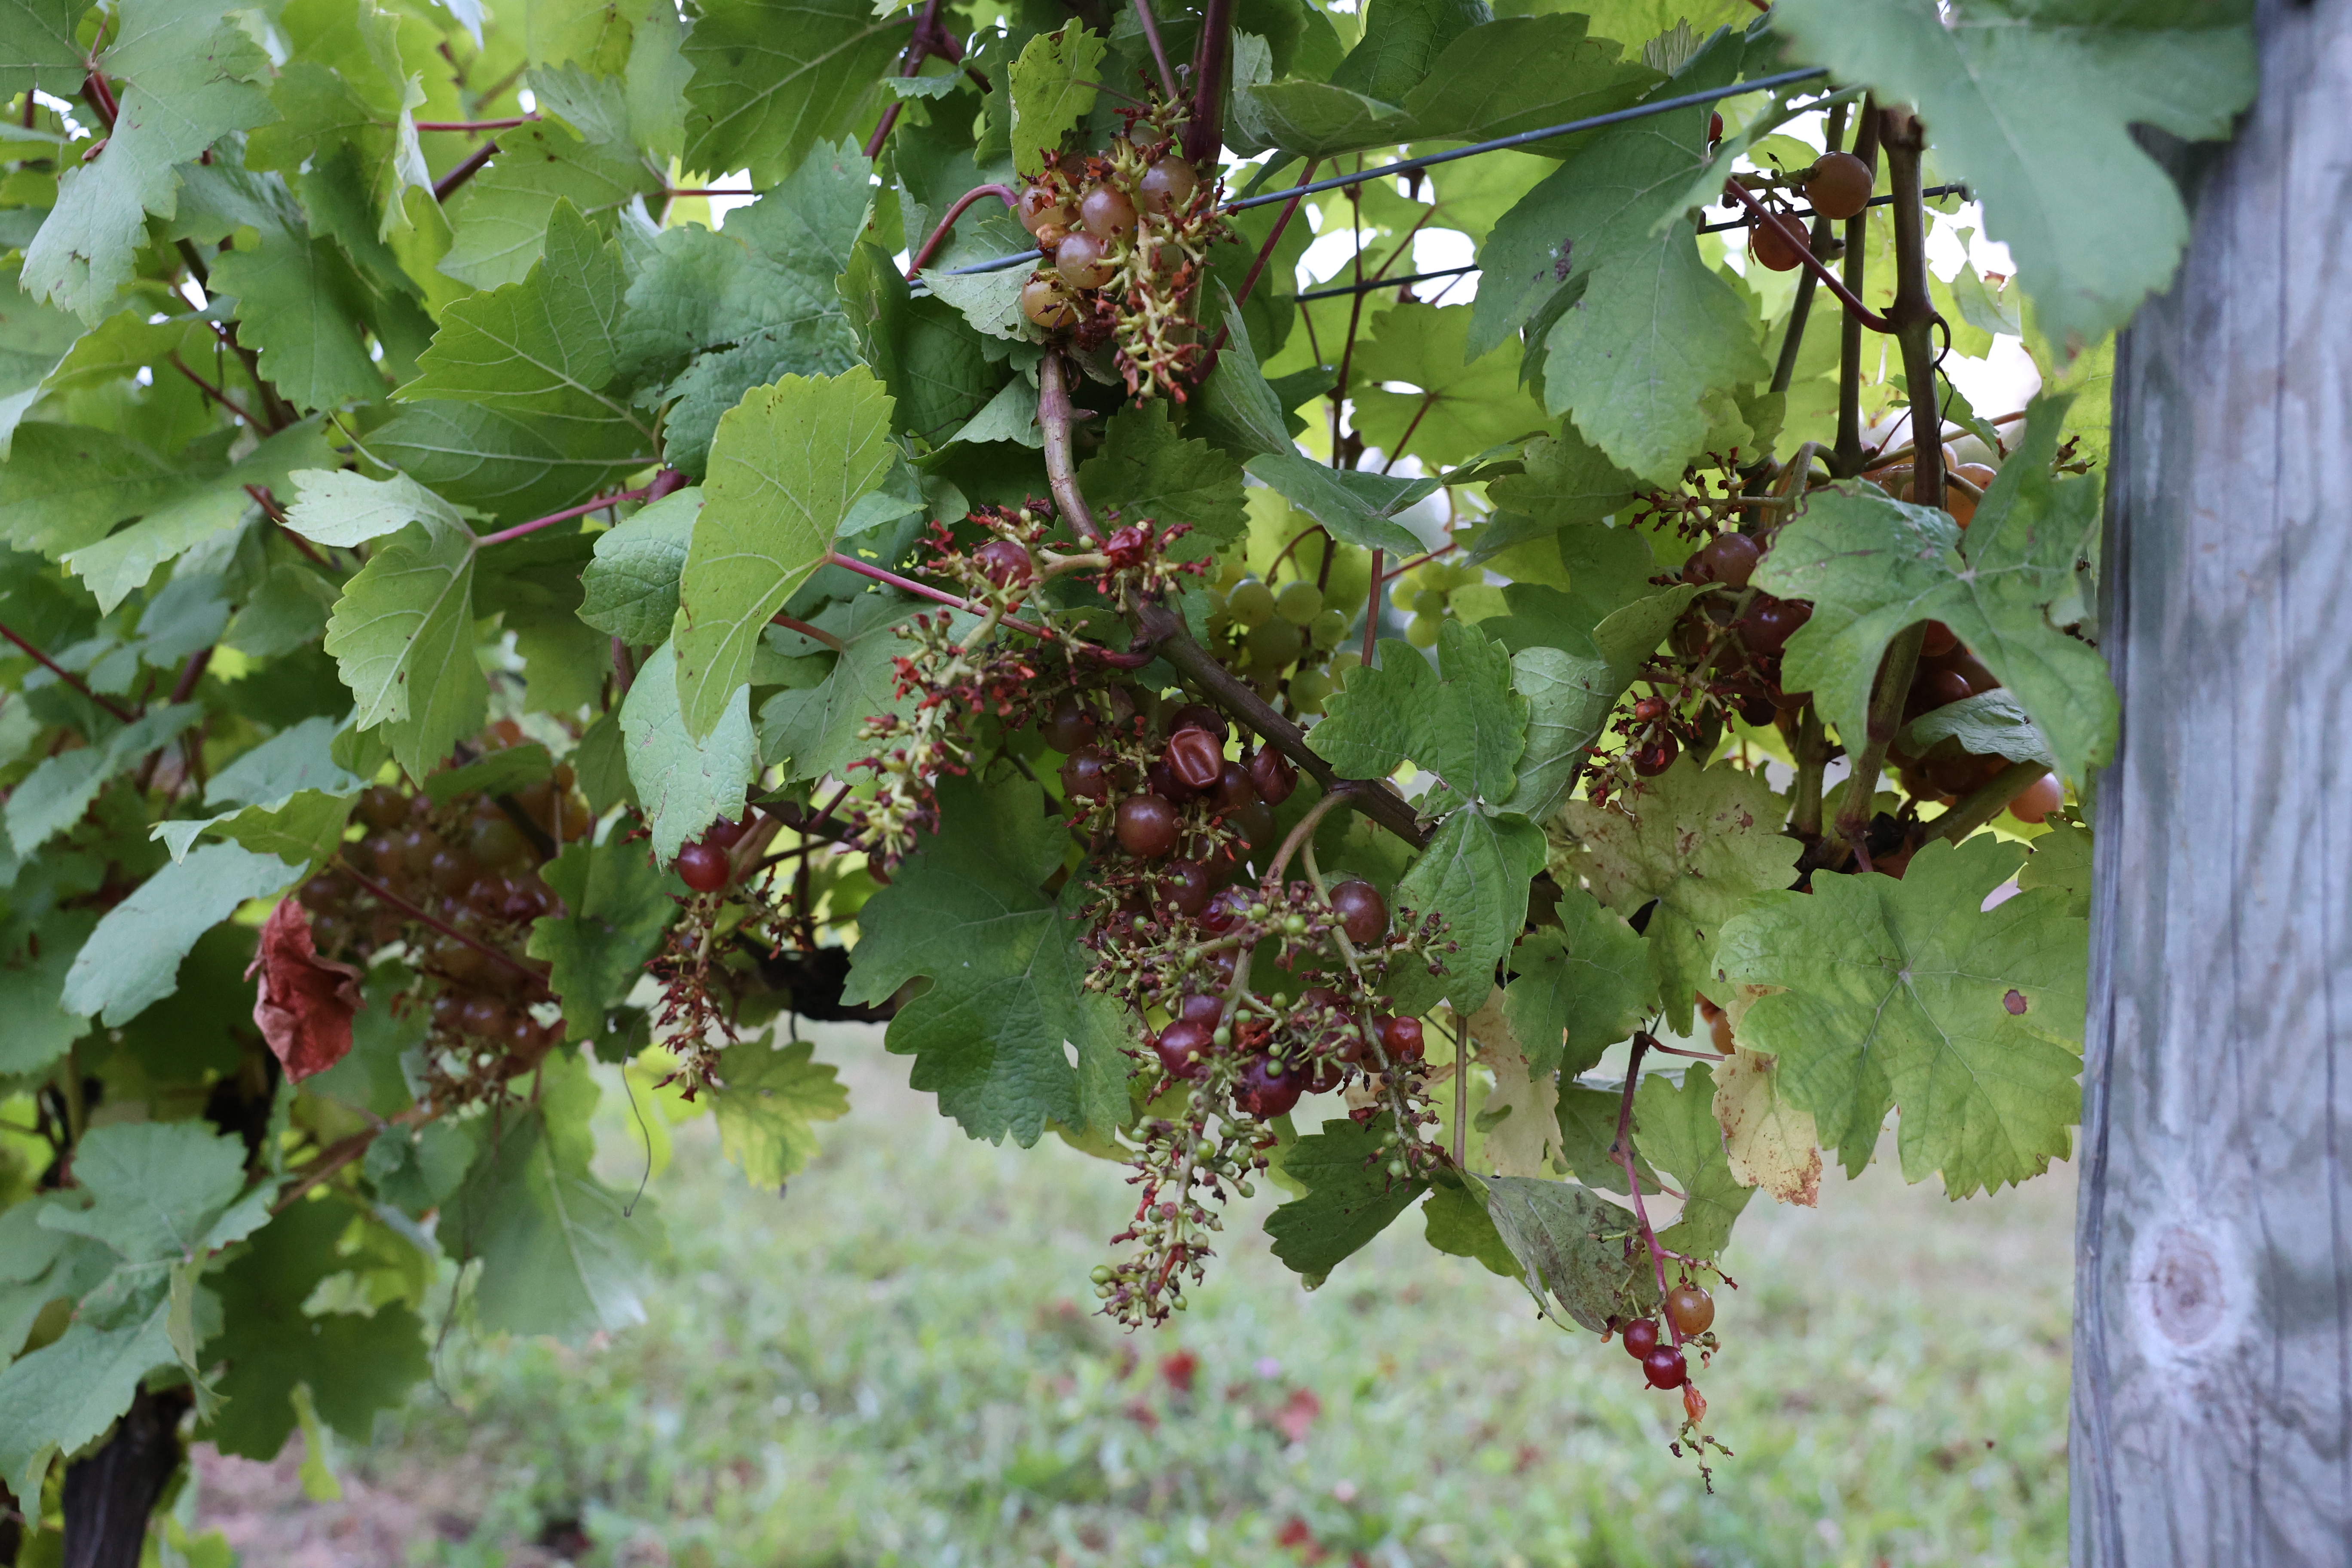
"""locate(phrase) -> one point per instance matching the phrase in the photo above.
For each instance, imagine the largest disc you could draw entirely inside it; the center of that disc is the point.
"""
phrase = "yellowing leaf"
(1770, 1143)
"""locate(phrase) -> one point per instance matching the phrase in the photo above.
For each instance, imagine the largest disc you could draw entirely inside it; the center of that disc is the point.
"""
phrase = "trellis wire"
(1501, 143)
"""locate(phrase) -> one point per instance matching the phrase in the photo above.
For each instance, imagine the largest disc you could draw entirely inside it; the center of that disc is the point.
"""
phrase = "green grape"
(1308, 687)
(1429, 602)
(1327, 628)
(1251, 603)
(1275, 644)
(1231, 574)
(1402, 595)
(1341, 663)
(1423, 630)
(1299, 602)
(1216, 603)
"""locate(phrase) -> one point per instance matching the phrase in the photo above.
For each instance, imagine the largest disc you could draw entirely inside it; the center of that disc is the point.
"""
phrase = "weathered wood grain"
(2213, 1414)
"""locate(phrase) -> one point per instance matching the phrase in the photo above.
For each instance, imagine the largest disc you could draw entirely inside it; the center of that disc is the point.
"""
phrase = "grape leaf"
(505, 219)
(1475, 873)
(1768, 1142)
(1462, 408)
(1461, 720)
(1523, 73)
(303, 306)
(1909, 995)
(1006, 969)
(1704, 843)
(632, 586)
(2033, 104)
(615, 908)
(65, 486)
(1556, 1230)
(1569, 697)
(1567, 479)
(1454, 1221)
(1990, 724)
(1358, 506)
(301, 827)
(353, 1364)
(785, 468)
(547, 347)
(1580, 986)
(1052, 88)
(37, 41)
(514, 466)
(940, 370)
(1350, 1197)
(772, 77)
(54, 795)
(183, 77)
(130, 961)
(772, 1095)
(1635, 360)
(338, 508)
(38, 1266)
(67, 1393)
(560, 1253)
(2062, 860)
(158, 1195)
(343, 94)
(1146, 469)
(1675, 1130)
(812, 732)
(1588, 1135)
(34, 1028)
(403, 639)
(1403, 40)
(685, 784)
(1872, 566)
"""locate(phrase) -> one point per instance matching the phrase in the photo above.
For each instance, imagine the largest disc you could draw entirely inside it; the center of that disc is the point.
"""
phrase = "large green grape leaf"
(1557, 1232)
(345, 88)
(684, 784)
(130, 961)
(403, 639)
(514, 466)
(1523, 73)
(1054, 86)
(183, 77)
(160, 1193)
(1005, 971)
(1146, 469)
(940, 371)
(35, 1030)
(1704, 843)
(206, 507)
(2033, 102)
(1872, 567)
(38, 46)
(338, 508)
(772, 77)
(562, 1254)
(547, 347)
(54, 795)
(1990, 724)
(1570, 693)
(65, 486)
(787, 466)
(1640, 361)
(1475, 873)
(1358, 506)
(1350, 1197)
(631, 588)
(1602, 205)
(303, 306)
(813, 731)
(1578, 987)
(1909, 995)
(770, 1096)
(67, 1393)
(1461, 719)
(1567, 481)
(616, 907)
(355, 1364)
(34, 339)
(1675, 1129)
(505, 217)
(1463, 406)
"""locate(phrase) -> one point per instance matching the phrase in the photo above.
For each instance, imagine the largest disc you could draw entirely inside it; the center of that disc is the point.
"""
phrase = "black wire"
(1409, 165)
(1374, 285)
(1961, 191)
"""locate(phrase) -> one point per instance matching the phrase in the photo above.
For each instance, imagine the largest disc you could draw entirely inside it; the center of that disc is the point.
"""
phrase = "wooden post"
(2212, 1397)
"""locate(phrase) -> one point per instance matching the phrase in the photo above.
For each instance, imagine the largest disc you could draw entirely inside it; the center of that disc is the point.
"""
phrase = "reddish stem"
(452, 933)
(1012, 198)
(467, 127)
(1795, 239)
(1372, 606)
(1056, 415)
(536, 523)
(919, 44)
(707, 191)
(100, 97)
(815, 634)
(277, 515)
(624, 668)
(1624, 1150)
(68, 676)
(444, 188)
(214, 393)
(1209, 361)
(925, 590)
(1158, 50)
(1447, 548)
(1204, 129)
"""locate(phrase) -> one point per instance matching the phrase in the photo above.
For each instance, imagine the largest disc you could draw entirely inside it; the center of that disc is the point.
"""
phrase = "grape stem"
(1347, 951)
(925, 590)
(1989, 801)
(214, 393)
(1795, 241)
(68, 676)
(277, 515)
(1812, 760)
(1302, 832)
(1150, 24)
(1011, 197)
(1209, 360)
(815, 634)
(1623, 1151)
(1850, 458)
(583, 510)
(1204, 128)
(1054, 417)
(1800, 310)
(1164, 630)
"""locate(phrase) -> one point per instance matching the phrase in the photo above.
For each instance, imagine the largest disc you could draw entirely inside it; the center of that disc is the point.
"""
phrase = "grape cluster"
(1689, 1313)
(1126, 234)
(464, 881)
(1424, 594)
(1264, 631)
(1838, 188)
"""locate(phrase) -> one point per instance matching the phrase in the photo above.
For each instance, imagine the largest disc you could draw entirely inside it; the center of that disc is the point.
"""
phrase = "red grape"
(1271, 772)
(1690, 1309)
(1254, 823)
(1641, 1337)
(1084, 776)
(1069, 727)
(1665, 1368)
(1771, 248)
(1225, 910)
(1728, 558)
(1005, 562)
(704, 868)
(1657, 757)
(1166, 186)
(1363, 913)
(1196, 758)
(1106, 214)
(1161, 780)
(1839, 185)
(1046, 300)
(1082, 262)
(383, 807)
(1199, 716)
(1183, 1047)
(1402, 1038)
(1041, 206)
(1933, 689)
(1941, 640)
(1186, 887)
(1267, 1089)
(1202, 1007)
(1147, 826)
(1769, 623)
(1234, 789)
(2037, 800)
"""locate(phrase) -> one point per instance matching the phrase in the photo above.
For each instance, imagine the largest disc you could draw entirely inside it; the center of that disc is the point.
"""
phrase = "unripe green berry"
(1299, 602)
(1422, 631)
(1101, 1275)
(1251, 603)
(1429, 602)
(1273, 642)
(1308, 687)
(1295, 924)
(1327, 628)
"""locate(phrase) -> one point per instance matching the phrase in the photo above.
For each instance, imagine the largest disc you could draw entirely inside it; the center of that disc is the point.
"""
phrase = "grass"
(895, 1363)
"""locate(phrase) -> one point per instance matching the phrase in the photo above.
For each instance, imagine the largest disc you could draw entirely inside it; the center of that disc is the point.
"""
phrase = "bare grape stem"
(1623, 1151)
(1054, 416)
(1857, 234)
